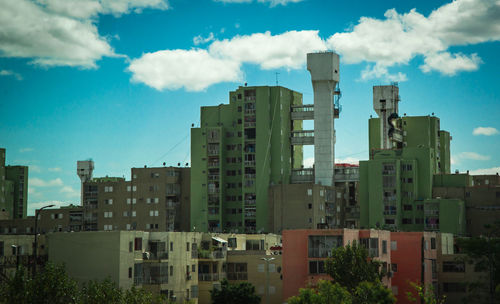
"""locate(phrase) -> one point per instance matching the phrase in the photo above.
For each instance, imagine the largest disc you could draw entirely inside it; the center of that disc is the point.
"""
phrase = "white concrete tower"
(324, 69)
(385, 104)
(84, 170)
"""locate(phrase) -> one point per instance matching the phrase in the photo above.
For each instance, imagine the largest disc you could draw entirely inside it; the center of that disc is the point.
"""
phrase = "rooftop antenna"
(277, 73)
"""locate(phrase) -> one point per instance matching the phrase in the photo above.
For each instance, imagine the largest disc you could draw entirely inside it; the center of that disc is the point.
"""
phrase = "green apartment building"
(13, 189)
(396, 183)
(239, 150)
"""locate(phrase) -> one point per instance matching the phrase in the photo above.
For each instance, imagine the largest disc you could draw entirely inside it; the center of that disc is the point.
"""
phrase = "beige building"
(181, 265)
(155, 199)
(300, 206)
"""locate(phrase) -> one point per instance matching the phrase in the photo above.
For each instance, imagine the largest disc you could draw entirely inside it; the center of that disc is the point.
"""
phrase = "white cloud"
(194, 69)
(11, 73)
(287, 50)
(37, 182)
(197, 69)
(347, 160)
(380, 72)
(308, 162)
(468, 155)
(272, 3)
(487, 171)
(34, 168)
(449, 64)
(55, 169)
(200, 40)
(487, 131)
(85, 9)
(69, 191)
(24, 150)
(61, 32)
(399, 38)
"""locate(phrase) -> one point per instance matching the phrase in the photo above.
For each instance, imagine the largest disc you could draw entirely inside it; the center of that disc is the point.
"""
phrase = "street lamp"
(35, 248)
(267, 276)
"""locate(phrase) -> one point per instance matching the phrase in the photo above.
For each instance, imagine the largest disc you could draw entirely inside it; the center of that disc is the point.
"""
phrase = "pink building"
(305, 253)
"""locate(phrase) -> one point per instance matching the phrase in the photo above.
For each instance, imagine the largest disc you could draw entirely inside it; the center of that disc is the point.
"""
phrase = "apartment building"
(346, 211)
(13, 189)
(406, 155)
(239, 150)
(181, 265)
(305, 253)
(155, 199)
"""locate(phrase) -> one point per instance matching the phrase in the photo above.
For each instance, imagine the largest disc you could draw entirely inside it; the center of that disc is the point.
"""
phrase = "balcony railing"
(250, 202)
(250, 176)
(237, 276)
(211, 276)
(213, 177)
(249, 162)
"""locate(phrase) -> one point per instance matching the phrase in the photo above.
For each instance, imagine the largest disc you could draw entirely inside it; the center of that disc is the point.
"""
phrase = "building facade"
(240, 149)
(406, 155)
(305, 253)
(13, 189)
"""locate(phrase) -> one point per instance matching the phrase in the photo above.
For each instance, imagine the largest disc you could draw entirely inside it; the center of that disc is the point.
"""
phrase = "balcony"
(302, 112)
(207, 277)
(250, 202)
(304, 137)
(211, 255)
(249, 124)
(213, 152)
(213, 165)
(302, 176)
(213, 190)
(249, 162)
(249, 176)
(237, 276)
(249, 111)
(213, 177)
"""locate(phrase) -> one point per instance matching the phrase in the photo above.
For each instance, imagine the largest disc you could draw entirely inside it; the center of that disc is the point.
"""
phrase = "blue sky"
(121, 81)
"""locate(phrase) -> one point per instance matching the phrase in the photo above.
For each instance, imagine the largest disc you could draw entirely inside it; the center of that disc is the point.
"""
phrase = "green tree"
(13, 289)
(94, 292)
(241, 293)
(351, 265)
(52, 285)
(373, 292)
(326, 292)
(140, 296)
(427, 295)
(484, 252)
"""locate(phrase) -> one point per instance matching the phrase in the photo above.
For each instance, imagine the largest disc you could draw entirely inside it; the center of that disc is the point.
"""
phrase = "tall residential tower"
(240, 149)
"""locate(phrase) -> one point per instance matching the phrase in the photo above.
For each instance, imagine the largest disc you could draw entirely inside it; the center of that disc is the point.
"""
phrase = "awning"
(218, 239)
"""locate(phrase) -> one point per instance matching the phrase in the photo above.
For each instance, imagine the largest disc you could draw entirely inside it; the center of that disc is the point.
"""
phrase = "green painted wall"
(452, 180)
(273, 154)
(400, 204)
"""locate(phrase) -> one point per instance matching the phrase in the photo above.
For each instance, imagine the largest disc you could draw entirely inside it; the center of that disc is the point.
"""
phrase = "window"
(237, 271)
(129, 188)
(133, 213)
(157, 200)
(232, 242)
(253, 245)
(138, 244)
(384, 247)
(171, 246)
(433, 243)
(130, 246)
(407, 207)
(171, 269)
(187, 246)
(108, 214)
(130, 272)
(309, 192)
(193, 268)
(371, 244)
(407, 221)
(321, 246)
(317, 267)
(108, 201)
(394, 267)
(125, 213)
